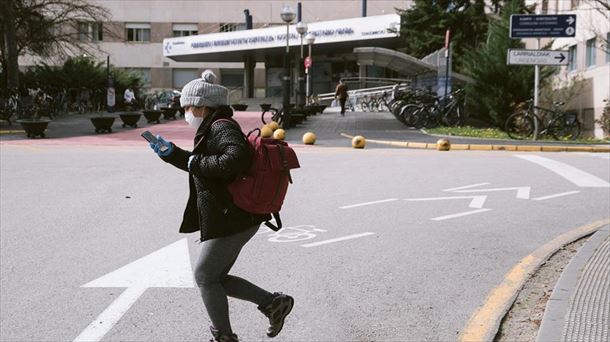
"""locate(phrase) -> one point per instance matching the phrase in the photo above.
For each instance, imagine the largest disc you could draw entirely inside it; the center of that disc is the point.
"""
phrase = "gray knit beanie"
(203, 92)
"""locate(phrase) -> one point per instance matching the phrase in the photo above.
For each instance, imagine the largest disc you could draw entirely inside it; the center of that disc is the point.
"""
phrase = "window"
(183, 30)
(184, 76)
(230, 27)
(574, 4)
(137, 32)
(90, 31)
(590, 53)
(545, 6)
(572, 58)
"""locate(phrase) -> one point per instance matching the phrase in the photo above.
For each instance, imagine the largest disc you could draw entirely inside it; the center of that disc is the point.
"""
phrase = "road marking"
(484, 323)
(466, 187)
(324, 242)
(368, 203)
(169, 266)
(555, 195)
(597, 155)
(523, 192)
(477, 201)
(572, 174)
(466, 213)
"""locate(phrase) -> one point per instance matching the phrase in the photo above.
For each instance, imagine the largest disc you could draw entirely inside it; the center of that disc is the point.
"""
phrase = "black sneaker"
(280, 307)
(222, 338)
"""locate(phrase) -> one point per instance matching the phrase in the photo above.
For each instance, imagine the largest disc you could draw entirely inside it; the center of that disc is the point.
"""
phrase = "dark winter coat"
(223, 154)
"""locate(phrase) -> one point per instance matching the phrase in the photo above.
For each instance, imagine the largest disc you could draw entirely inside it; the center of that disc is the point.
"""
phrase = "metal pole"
(447, 52)
(308, 78)
(286, 97)
(536, 81)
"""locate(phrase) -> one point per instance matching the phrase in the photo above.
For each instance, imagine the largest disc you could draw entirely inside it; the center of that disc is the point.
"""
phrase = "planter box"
(103, 124)
(240, 107)
(152, 115)
(34, 128)
(130, 119)
(169, 113)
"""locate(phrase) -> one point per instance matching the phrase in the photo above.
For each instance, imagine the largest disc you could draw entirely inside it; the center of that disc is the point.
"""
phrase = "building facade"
(133, 39)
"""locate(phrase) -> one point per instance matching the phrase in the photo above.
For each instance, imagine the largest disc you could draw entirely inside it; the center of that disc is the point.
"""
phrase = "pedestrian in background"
(221, 153)
(341, 93)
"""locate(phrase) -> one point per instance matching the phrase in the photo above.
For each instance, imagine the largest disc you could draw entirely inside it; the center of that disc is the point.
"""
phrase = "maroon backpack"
(263, 188)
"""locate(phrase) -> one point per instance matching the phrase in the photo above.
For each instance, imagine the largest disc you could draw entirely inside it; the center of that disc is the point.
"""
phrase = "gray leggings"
(212, 276)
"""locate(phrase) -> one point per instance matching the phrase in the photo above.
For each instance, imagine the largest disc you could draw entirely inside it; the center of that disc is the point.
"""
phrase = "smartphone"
(152, 139)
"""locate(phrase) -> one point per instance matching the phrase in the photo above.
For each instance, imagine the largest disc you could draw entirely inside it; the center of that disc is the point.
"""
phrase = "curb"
(558, 305)
(489, 147)
(485, 322)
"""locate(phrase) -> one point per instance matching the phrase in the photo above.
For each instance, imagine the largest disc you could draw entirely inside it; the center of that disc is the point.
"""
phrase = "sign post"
(540, 26)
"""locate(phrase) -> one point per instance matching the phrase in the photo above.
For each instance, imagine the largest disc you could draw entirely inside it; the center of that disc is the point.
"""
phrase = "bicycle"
(561, 125)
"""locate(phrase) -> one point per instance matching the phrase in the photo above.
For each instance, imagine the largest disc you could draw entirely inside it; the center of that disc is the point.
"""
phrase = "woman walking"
(220, 153)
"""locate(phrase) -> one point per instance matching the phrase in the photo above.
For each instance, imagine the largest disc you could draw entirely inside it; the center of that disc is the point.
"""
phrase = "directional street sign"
(542, 26)
(537, 57)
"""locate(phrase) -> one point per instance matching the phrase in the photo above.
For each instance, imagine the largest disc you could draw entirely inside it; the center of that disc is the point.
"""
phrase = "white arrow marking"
(368, 203)
(349, 237)
(523, 192)
(471, 212)
(169, 266)
(570, 20)
(572, 174)
(555, 195)
(466, 187)
(477, 201)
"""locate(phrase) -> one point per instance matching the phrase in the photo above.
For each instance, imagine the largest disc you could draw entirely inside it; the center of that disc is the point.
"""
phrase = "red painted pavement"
(177, 131)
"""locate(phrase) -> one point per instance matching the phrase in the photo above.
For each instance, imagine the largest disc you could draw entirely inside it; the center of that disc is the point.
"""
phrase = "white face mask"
(192, 120)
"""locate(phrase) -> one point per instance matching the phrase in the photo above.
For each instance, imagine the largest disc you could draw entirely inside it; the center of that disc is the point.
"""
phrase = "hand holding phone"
(158, 144)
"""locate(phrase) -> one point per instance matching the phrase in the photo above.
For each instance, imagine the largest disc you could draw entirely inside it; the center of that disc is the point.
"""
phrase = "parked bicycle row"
(424, 109)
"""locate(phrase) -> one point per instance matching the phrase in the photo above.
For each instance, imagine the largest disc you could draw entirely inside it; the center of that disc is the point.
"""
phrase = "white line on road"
(572, 174)
(596, 154)
(111, 316)
(368, 203)
(523, 192)
(466, 213)
(349, 237)
(555, 195)
(466, 187)
(477, 201)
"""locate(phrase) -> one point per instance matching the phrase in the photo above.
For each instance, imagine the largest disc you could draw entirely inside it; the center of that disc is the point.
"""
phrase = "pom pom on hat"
(208, 76)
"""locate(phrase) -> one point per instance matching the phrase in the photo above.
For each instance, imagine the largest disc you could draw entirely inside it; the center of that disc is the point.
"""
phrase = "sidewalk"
(578, 309)
(381, 129)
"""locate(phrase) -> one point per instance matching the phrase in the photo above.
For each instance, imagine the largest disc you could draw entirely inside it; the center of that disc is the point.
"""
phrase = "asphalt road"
(71, 215)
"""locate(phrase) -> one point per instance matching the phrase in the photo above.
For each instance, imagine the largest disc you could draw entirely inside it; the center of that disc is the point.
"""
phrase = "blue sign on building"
(542, 26)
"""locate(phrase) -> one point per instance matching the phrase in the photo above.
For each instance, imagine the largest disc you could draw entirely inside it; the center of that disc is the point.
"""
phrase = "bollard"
(266, 132)
(358, 142)
(279, 134)
(443, 145)
(273, 125)
(309, 138)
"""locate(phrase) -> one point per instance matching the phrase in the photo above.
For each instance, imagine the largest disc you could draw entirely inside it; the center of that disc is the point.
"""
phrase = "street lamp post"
(288, 14)
(301, 30)
(310, 38)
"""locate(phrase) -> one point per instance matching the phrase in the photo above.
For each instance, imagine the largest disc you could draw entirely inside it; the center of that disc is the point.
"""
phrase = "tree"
(46, 28)
(498, 87)
(423, 27)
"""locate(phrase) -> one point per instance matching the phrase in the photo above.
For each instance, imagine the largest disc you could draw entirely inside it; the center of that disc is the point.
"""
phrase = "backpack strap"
(273, 227)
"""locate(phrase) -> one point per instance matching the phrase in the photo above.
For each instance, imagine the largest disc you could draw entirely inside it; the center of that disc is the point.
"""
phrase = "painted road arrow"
(476, 202)
(169, 266)
(523, 192)
(537, 57)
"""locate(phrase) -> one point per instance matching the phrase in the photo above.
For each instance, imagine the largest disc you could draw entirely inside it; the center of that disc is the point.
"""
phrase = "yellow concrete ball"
(273, 125)
(309, 138)
(266, 132)
(279, 134)
(358, 142)
(443, 145)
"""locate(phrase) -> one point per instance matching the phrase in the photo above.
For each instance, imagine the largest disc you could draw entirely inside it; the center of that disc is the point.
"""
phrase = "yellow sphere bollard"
(273, 125)
(309, 138)
(358, 142)
(279, 134)
(443, 145)
(266, 132)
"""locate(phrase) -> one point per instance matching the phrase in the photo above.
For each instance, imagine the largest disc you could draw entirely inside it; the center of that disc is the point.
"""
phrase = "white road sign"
(537, 57)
